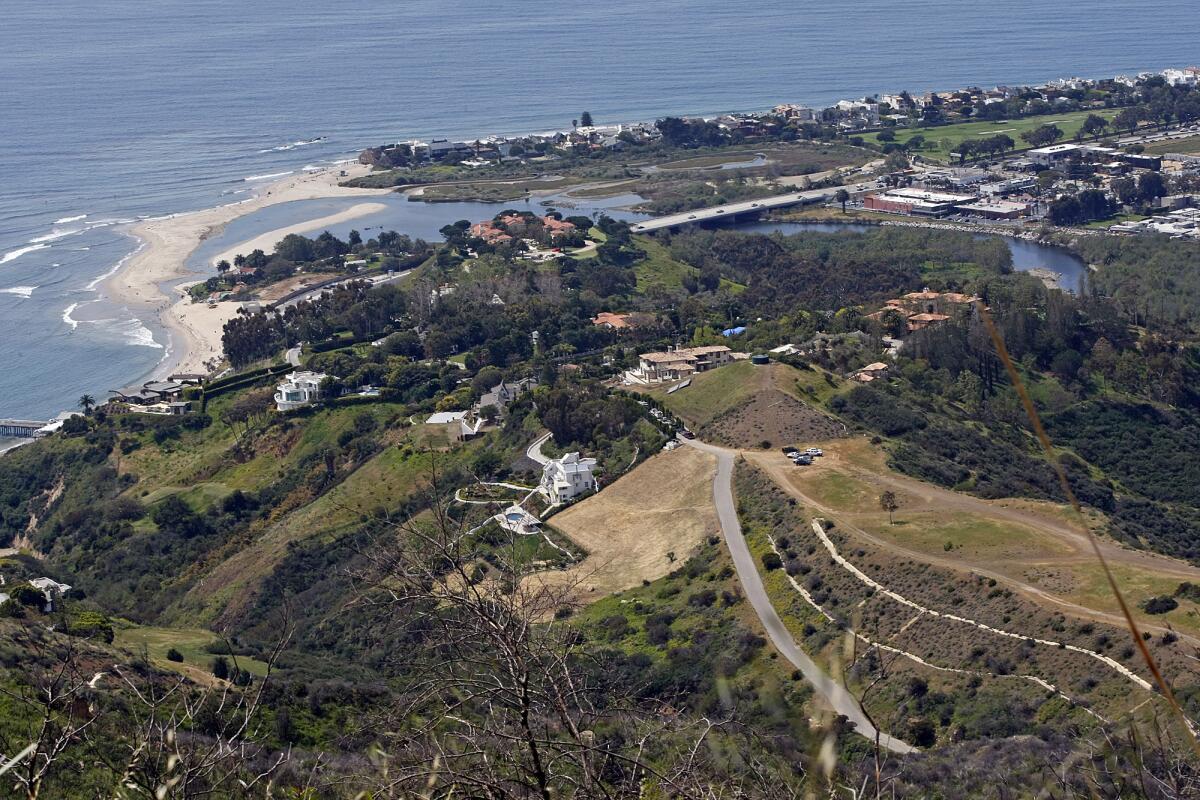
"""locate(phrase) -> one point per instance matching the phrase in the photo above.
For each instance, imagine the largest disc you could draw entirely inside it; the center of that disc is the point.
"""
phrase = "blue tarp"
(734, 331)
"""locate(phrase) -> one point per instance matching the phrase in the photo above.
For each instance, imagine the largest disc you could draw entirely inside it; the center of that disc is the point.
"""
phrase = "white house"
(299, 390)
(564, 479)
(52, 589)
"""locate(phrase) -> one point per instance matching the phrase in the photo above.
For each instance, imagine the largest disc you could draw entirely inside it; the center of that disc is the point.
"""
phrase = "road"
(946, 500)
(840, 700)
(535, 450)
(374, 280)
(733, 209)
(293, 356)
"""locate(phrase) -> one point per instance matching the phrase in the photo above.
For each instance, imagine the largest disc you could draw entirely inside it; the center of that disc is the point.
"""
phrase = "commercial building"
(1054, 154)
(997, 209)
(299, 390)
(917, 202)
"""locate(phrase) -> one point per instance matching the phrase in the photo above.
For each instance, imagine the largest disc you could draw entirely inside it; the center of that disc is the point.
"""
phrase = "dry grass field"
(663, 506)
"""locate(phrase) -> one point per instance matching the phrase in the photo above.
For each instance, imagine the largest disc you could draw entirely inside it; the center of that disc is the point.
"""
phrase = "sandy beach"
(195, 329)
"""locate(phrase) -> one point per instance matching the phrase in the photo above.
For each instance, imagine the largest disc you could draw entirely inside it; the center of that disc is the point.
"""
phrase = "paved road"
(733, 209)
(374, 280)
(834, 693)
(535, 450)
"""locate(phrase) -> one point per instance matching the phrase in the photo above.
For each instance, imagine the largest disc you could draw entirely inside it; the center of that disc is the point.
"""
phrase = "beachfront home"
(299, 390)
(566, 478)
(679, 363)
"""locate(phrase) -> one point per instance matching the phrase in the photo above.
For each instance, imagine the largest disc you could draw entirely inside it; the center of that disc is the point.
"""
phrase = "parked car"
(814, 451)
(686, 434)
(787, 451)
(802, 461)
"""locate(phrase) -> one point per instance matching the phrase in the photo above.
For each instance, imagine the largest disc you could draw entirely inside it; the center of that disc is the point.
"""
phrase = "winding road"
(839, 699)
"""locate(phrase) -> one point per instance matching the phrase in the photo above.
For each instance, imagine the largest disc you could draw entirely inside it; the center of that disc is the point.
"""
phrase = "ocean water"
(115, 111)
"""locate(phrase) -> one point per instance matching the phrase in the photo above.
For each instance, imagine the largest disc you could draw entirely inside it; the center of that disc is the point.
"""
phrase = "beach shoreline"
(154, 279)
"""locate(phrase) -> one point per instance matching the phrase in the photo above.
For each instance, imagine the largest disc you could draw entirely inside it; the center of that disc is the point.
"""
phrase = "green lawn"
(944, 139)
(712, 393)
(190, 642)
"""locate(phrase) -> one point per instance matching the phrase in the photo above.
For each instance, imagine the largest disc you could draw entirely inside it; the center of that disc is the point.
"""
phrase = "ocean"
(115, 111)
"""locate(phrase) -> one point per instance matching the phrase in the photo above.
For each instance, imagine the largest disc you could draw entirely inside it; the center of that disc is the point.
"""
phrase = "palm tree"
(842, 197)
(87, 403)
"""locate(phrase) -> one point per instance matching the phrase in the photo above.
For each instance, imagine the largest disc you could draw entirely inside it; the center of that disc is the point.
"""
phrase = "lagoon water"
(120, 110)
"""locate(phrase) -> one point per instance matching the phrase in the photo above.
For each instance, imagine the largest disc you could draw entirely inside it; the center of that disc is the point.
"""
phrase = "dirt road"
(945, 500)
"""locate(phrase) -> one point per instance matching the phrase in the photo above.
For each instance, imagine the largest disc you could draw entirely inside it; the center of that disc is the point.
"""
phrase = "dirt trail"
(945, 500)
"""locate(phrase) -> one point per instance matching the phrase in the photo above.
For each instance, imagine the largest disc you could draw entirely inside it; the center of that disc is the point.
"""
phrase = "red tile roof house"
(490, 233)
(610, 320)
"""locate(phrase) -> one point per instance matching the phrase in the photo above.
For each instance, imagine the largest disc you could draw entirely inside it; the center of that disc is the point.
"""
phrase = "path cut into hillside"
(943, 502)
(836, 695)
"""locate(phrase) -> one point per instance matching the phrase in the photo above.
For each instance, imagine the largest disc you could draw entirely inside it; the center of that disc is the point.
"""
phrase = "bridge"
(731, 210)
(20, 428)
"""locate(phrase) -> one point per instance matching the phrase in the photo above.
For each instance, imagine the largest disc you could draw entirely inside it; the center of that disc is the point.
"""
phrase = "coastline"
(153, 278)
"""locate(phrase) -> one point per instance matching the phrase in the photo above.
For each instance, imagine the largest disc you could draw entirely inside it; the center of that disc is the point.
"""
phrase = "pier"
(20, 428)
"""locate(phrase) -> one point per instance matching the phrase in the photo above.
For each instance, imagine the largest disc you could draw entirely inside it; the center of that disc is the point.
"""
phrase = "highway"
(833, 692)
(734, 209)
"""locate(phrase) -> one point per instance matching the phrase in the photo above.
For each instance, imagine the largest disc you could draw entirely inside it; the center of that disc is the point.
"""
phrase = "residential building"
(871, 372)
(503, 394)
(51, 589)
(566, 478)
(458, 426)
(299, 390)
(681, 363)
(609, 320)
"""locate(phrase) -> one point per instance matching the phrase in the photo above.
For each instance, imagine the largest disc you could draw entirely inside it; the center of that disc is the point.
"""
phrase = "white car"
(814, 451)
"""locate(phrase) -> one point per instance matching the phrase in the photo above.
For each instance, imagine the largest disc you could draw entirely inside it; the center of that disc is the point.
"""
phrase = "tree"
(585, 119)
(223, 266)
(1126, 190)
(87, 403)
(1065, 211)
(1094, 125)
(1043, 135)
(220, 668)
(1151, 185)
(843, 197)
(889, 503)
(1126, 120)
(174, 655)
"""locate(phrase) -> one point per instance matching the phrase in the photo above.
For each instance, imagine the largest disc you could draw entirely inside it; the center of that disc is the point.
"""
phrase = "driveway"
(838, 698)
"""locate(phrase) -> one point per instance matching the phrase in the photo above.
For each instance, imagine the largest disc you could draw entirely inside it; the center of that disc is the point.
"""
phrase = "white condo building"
(299, 390)
(564, 479)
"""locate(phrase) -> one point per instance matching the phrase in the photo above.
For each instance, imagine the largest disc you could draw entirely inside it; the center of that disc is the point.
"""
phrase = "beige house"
(681, 363)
